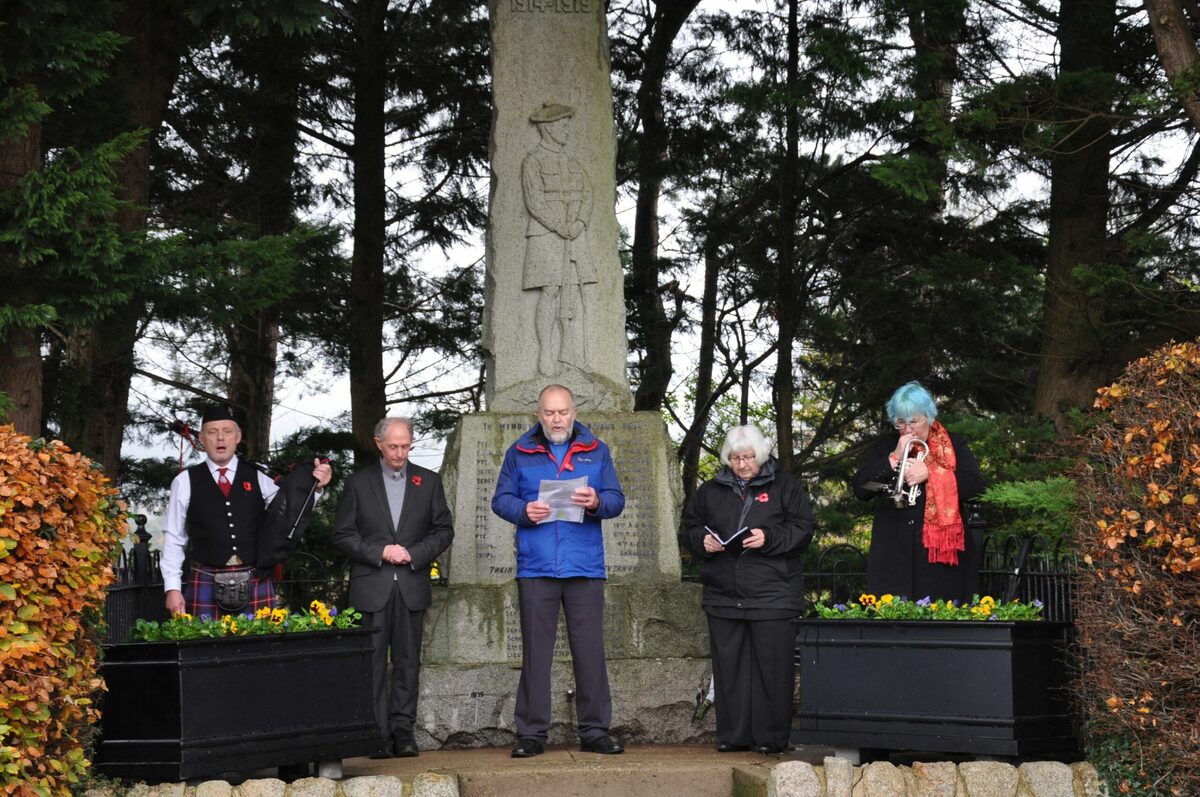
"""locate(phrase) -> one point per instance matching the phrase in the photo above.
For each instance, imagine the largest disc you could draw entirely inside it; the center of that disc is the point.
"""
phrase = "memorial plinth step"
(564, 771)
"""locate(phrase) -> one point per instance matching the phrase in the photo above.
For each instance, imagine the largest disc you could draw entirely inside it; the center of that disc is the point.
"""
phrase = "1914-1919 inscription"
(555, 6)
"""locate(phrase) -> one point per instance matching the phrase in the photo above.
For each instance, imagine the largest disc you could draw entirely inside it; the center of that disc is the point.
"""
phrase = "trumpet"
(900, 496)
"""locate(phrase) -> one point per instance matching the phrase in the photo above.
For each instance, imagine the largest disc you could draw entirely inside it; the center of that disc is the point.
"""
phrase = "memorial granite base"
(653, 702)
(657, 646)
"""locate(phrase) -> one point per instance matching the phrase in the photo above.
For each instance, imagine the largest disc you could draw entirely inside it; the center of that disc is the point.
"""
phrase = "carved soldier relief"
(558, 254)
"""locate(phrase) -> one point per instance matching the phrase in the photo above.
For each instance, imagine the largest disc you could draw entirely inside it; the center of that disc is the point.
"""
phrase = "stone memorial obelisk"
(554, 313)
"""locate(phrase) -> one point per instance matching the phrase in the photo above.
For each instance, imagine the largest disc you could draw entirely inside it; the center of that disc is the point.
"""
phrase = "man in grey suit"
(392, 523)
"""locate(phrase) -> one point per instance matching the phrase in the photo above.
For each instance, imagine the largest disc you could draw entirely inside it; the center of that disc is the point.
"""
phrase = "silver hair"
(739, 438)
(381, 428)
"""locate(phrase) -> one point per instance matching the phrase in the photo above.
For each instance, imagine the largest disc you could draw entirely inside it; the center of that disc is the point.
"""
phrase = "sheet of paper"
(558, 495)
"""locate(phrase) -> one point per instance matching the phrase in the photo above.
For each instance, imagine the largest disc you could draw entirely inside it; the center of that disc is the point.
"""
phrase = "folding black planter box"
(180, 710)
(986, 688)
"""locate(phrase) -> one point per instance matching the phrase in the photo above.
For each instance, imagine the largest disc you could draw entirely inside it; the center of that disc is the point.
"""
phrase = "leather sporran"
(231, 591)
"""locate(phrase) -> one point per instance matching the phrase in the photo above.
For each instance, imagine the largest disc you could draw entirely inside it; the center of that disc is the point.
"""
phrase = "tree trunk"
(656, 327)
(935, 29)
(787, 310)
(691, 445)
(102, 356)
(254, 341)
(367, 388)
(20, 347)
(1073, 363)
(1176, 49)
(253, 345)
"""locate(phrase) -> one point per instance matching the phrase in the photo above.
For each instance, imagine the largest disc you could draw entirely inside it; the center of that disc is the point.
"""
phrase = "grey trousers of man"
(400, 632)
(583, 601)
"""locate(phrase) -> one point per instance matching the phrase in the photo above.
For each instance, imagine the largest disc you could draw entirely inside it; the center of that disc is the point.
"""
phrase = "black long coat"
(763, 583)
(897, 562)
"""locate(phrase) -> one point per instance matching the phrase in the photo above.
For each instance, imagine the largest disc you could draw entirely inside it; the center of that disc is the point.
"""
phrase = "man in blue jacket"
(560, 561)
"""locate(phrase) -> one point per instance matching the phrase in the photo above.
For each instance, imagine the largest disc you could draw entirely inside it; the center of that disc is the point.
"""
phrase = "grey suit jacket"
(364, 526)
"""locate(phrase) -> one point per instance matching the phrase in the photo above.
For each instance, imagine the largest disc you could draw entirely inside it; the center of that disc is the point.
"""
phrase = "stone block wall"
(838, 777)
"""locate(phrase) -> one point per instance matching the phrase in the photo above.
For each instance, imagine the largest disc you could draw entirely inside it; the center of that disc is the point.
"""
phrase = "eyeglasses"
(911, 423)
(742, 458)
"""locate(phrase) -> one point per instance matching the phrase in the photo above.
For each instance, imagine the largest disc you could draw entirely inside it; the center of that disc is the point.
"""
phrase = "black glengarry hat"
(218, 412)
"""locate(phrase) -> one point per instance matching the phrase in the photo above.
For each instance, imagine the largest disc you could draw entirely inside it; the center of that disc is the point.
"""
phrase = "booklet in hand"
(731, 537)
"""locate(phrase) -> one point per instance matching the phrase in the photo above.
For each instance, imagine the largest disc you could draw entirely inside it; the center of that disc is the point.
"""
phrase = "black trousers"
(583, 601)
(754, 669)
(399, 638)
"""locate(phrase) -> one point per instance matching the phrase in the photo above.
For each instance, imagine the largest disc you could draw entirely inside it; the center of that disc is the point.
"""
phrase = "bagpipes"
(290, 511)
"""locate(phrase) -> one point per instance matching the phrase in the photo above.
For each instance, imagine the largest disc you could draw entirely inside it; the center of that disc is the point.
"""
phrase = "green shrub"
(1045, 507)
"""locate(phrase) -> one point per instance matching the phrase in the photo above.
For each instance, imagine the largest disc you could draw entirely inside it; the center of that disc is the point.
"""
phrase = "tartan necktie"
(223, 481)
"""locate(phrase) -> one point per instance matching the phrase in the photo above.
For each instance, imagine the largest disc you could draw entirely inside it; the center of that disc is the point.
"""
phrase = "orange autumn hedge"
(59, 527)
(1137, 599)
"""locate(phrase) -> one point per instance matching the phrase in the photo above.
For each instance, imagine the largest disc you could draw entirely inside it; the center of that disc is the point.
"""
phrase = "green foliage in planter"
(890, 607)
(264, 621)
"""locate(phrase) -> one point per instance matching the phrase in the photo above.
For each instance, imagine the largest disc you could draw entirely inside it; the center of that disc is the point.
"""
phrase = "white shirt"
(175, 536)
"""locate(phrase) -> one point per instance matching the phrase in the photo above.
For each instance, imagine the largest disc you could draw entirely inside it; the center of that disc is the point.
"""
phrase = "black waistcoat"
(219, 527)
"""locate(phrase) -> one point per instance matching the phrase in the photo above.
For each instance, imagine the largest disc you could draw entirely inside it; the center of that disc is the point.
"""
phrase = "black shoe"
(386, 750)
(527, 747)
(601, 744)
(768, 749)
(405, 745)
(729, 747)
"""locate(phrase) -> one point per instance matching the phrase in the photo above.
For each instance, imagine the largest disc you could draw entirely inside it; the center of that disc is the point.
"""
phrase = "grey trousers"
(583, 601)
(400, 632)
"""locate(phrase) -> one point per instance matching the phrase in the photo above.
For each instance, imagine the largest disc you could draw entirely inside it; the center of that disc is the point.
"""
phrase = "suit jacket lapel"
(381, 496)
(410, 492)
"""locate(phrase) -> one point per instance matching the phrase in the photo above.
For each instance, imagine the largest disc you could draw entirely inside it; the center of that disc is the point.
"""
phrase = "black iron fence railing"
(1013, 567)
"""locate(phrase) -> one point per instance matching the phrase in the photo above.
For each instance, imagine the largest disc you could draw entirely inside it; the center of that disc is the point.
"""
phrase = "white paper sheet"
(558, 495)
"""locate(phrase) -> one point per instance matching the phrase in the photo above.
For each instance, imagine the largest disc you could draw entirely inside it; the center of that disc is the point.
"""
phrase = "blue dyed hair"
(910, 400)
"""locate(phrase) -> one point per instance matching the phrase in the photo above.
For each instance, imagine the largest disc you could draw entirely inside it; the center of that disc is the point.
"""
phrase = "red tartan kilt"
(198, 591)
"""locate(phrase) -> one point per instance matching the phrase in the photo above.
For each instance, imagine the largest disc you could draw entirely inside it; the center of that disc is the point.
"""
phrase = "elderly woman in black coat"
(749, 526)
(923, 549)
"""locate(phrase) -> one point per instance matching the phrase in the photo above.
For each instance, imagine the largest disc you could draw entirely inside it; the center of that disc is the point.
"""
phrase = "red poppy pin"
(416, 480)
(246, 486)
(762, 498)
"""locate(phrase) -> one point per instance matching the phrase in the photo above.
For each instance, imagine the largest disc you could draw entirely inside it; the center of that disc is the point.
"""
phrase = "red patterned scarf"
(942, 534)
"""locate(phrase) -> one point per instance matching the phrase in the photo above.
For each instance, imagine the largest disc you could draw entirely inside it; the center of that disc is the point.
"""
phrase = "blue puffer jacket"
(557, 549)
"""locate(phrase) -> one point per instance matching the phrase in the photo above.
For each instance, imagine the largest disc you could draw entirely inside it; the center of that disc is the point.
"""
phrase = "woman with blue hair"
(920, 549)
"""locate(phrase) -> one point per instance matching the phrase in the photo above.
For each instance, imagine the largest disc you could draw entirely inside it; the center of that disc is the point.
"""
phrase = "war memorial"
(555, 313)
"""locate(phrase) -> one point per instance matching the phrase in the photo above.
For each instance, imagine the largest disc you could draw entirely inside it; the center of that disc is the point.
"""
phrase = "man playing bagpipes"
(233, 522)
